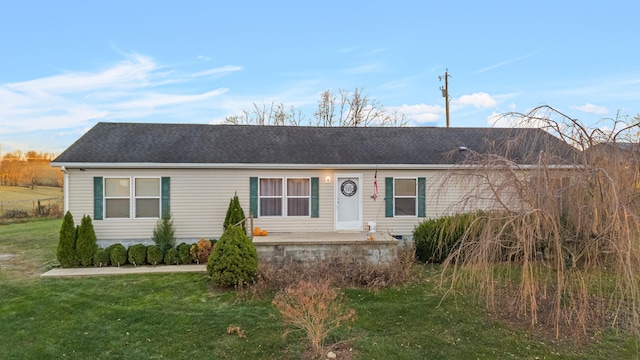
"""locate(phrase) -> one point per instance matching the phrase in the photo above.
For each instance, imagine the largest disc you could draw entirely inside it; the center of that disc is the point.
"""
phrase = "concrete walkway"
(114, 270)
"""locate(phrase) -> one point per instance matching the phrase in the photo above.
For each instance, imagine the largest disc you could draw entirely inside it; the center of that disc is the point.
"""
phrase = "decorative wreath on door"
(348, 188)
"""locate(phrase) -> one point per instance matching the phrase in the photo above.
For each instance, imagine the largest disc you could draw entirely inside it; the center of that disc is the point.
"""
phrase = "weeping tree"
(560, 243)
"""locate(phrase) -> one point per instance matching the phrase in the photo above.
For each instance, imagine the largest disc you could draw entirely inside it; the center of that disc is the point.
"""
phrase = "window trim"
(284, 197)
(415, 197)
(132, 197)
(286, 210)
(136, 197)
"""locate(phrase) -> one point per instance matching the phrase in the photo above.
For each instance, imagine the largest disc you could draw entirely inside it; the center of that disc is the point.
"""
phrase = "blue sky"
(68, 65)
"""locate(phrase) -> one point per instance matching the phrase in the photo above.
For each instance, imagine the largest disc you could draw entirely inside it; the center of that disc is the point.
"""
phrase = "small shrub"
(172, 257)
(203, 250)
(234, 259)
(86, 243)
(66, 251)
(154, 255)
(184, 252)
(314, 307)
(101, 257)
(164, 233)
(117, 254)
(137, 254)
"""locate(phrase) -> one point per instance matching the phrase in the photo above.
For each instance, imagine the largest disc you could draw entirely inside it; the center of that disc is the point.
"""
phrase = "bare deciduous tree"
(351, 109)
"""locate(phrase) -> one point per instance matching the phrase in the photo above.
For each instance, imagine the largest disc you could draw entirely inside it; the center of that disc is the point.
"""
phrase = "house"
(292, 179)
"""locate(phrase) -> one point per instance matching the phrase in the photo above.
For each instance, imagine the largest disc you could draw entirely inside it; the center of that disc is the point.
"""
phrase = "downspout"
(66, 188)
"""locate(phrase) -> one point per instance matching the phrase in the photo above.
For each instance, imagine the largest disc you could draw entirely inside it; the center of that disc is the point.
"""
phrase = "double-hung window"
(290, 196)
(117, 197)
(298, 196)
(124, 196)
(270, 194)
(405, 197)
(147, 197)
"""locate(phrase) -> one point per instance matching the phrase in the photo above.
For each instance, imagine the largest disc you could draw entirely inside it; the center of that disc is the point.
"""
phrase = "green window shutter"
(314, 197)
(98, 200)
(388, 197)
(253, 196)
(422, 201)
(165, 194)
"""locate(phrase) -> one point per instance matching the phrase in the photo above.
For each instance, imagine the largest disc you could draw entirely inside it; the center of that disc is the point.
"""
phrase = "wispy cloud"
(135, 87)
(506, 62)
(592, 109)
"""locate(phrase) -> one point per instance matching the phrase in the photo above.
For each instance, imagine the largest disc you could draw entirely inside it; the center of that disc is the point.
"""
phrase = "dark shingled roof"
(252, 144)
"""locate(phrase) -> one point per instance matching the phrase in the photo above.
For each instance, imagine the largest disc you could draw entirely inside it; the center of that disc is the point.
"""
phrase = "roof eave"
(118, 165)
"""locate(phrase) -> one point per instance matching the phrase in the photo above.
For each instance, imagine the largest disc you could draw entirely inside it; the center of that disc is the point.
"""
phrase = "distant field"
(14, 199)
(19, 193)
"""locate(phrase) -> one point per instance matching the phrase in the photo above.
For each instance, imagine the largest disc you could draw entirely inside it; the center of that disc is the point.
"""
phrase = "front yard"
(180, 316)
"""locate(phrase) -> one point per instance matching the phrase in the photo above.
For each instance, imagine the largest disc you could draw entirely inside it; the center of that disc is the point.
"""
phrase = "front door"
(348, 202)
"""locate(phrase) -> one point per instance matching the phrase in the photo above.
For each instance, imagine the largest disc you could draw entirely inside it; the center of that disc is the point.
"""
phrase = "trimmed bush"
(66, 251)
(101, 257)
(235, 214)
(137, 254)
(184, 252)
(203, 250)
(86, 243)
(234, 259)
(154, 255)
(172, 257)
(435, 239)
(117, 254)
(164, 233)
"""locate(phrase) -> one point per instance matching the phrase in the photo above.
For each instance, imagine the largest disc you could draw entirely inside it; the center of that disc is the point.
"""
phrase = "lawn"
(179, 316)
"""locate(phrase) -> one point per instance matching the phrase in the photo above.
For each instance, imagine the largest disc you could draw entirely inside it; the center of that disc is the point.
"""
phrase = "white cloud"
(592, 109)
(420, 114)
(477, 100)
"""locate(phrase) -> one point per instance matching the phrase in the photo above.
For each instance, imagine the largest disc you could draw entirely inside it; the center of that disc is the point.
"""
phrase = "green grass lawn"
(179, 316)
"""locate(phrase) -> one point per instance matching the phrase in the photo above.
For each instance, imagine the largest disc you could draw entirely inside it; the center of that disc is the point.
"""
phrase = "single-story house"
(291, 179)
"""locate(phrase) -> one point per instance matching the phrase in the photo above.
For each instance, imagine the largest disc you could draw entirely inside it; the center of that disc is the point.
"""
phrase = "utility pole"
(445, 92)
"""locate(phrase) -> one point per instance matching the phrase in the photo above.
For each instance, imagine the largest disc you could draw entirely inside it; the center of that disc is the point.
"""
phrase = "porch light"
(327, 179)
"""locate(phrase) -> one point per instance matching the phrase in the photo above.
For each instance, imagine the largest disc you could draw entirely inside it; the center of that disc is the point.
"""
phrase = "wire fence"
(26, 209)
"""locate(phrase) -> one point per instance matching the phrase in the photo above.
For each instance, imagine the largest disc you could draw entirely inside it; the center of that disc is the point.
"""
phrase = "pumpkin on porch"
(257, 231)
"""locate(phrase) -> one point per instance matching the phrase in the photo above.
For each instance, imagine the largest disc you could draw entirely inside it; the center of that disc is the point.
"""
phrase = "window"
(405, 197)
(118, 197)
(273, 200)
(270, 195)
(147, 194)
(298, 196)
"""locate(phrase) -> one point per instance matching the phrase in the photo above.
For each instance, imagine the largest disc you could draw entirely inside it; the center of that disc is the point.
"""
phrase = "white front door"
(348, 192)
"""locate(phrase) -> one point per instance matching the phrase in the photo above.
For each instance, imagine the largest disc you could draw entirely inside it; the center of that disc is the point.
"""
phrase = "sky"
(67, 65)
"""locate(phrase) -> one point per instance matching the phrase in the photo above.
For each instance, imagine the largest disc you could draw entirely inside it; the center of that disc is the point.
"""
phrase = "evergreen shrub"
(172, 257)
(117, 254)
(101, 257)
(435, 239)
(184, 252)
(86, 242)
(66, 251)
(164, 233)
(154, 255)
(234, 259)
(235, 214)
(137, 254)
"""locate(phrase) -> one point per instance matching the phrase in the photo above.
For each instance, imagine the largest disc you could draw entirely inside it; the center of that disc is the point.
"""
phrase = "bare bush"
(562, 236)
(315, 307)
